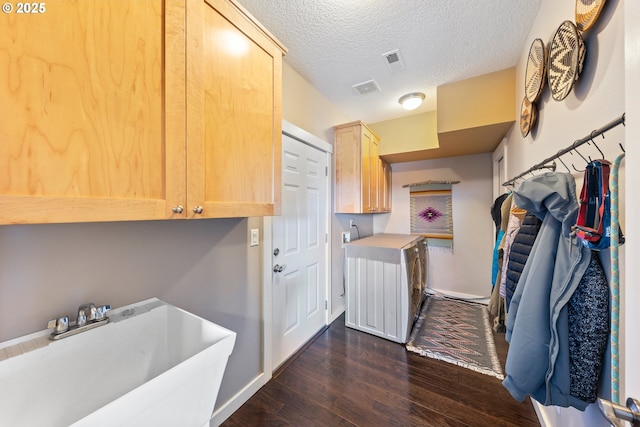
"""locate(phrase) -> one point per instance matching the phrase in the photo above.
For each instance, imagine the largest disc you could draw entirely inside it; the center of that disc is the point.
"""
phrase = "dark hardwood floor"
(349, 378)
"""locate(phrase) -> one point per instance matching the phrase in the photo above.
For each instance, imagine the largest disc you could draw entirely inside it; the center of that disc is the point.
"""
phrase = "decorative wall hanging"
(536, 70)
(587, 12)
(528, 115)
(566, 58)
(431, 213)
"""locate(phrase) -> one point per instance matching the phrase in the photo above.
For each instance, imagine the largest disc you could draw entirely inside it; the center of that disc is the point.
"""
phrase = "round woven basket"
(587, 12)
(528, 116)
(566, 58)
(536, 70)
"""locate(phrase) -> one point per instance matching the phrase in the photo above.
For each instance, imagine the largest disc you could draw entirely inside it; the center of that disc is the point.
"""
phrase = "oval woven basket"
(528, 116)
(587, 12)
(536, 70)
(566, 58)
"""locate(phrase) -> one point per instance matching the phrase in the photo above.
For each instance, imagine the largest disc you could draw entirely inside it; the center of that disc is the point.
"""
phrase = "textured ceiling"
(335, 44)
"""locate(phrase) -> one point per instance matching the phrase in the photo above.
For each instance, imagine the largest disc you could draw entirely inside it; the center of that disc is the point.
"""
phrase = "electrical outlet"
(346, 237)
(351, 223)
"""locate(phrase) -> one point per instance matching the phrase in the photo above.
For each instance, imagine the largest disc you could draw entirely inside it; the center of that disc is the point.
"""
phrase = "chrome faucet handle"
(86, 313)
(59, 325)
(101, 311)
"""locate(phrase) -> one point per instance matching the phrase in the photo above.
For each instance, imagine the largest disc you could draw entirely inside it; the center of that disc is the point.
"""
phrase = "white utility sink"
(153, 364)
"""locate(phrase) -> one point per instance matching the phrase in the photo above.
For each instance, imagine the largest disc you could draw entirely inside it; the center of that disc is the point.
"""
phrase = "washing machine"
(424, 263)
(384, 284)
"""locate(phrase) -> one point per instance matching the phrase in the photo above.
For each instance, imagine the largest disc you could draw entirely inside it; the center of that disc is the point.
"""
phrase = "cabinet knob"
(197, 209)
(177, 209)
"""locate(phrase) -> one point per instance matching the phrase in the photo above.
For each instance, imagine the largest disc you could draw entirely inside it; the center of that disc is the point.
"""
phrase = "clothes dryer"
(384, 285)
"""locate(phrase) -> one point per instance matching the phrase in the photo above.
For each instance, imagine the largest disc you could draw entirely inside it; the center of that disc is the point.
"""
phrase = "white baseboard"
(336, 314)
(469, 297)
(225, 411)
(555, 416)
(541, 413)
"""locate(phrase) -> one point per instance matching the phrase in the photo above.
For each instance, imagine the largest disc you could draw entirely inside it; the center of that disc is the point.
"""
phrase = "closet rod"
(544, 164)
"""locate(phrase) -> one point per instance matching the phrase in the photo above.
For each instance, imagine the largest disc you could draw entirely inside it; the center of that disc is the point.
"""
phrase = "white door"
(300, 249)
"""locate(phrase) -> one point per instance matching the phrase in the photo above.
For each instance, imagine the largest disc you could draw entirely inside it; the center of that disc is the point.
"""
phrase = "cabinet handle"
(197, 209)
(177, 209)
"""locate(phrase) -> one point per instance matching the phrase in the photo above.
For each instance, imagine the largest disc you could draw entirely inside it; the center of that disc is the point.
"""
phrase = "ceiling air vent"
(394, 61)
(366, 87)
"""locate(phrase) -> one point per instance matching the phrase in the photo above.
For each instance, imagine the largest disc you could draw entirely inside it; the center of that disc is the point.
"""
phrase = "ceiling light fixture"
(412, 100)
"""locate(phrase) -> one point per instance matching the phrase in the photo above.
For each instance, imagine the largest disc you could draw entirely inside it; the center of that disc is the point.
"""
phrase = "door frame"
(630, 292)
(305, 137)
(499, 162)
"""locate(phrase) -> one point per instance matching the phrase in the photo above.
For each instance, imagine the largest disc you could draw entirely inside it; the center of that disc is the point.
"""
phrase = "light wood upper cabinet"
(133, 110)
(234, 117)
(359, 173)
(92, 111)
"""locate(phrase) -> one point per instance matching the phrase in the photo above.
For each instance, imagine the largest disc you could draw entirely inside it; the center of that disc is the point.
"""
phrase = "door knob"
(197, 209)
(276, 251)
(177, 209)
(279, 268)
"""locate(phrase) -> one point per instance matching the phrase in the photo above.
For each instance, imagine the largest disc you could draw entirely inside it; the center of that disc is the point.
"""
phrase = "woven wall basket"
(566, 58)
(536, 71)
(587, 12)
(528, 116)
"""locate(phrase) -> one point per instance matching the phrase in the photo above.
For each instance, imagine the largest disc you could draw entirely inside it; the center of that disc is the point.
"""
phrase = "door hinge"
(326, 171)
(325, 304)
(326, 237)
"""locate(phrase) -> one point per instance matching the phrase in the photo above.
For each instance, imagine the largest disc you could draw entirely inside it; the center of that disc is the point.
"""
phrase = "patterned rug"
(457, 332)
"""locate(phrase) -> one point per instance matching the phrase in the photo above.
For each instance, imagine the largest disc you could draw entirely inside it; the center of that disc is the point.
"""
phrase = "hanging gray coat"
(537, 325)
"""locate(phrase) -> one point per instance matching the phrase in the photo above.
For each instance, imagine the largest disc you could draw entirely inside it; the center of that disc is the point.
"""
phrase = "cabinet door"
(92, 112)
(384, 187)
(370, 169)
(374, 175)
(348, 155)
(234, 118)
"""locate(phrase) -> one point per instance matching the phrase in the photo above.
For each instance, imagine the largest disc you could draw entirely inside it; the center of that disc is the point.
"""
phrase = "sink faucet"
(86, 313)
(89, 317)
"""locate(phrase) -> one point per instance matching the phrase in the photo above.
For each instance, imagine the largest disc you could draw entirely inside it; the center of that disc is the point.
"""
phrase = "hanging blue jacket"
(537, 325)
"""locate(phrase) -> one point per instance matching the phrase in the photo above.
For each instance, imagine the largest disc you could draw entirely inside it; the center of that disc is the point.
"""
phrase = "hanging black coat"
(520, 249)
(496, 212)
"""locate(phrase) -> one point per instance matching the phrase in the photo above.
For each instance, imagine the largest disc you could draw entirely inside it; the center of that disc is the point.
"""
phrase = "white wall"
(598, 97)
(466, 270)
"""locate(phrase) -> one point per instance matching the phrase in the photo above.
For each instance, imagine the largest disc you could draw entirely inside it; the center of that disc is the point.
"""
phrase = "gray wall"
(473, 228)
(204, 266)
(340, 223)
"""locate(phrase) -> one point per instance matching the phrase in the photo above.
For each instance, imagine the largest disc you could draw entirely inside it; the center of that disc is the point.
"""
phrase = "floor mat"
(457, 332)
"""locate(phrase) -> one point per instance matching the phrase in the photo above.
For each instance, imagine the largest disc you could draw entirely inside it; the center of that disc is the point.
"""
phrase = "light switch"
(255, 237)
